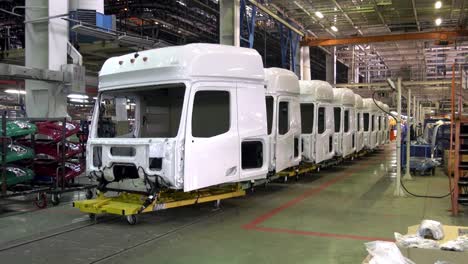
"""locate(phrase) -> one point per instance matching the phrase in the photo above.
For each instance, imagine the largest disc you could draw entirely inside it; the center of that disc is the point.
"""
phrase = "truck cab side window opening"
(143, 112)
(337, 113)
(366, 121)
(346, 121)
(211, 113)
(307, 118)
(373, 123)
(283, 118)
(269, 107)
(358, 122)
(321, 120)
(252, 155)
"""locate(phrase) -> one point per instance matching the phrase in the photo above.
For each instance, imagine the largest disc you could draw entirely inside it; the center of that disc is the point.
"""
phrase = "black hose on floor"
(401, 181)
(425, 196)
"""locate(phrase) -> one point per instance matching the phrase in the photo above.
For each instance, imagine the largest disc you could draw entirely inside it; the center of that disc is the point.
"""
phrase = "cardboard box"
(420, 255)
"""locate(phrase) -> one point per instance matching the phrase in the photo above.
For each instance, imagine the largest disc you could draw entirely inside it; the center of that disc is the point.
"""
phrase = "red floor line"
(305, 195)
(319, 234)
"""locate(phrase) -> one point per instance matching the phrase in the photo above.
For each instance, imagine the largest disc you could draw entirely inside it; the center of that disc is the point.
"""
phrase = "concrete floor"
(325, 217)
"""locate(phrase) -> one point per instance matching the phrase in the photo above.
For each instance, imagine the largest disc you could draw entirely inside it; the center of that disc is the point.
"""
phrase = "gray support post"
(46, 48)
(305, 63)
(415, 123)
(398, 190)
(229, 19)
(408, 138)
(331, 66)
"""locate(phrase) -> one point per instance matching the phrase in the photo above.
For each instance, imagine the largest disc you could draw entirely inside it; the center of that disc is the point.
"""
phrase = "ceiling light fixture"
(334, 28)
(319, 14)
(438, 21)
(77, 96)
(14, 91)
(438, 5)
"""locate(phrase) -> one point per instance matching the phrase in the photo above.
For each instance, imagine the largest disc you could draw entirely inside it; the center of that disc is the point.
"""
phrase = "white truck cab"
(380, 123)
(359, 106)
(343, 108)
(317, 121)
(372, 131)
(284, 118)
(184, 117)
(370, 126)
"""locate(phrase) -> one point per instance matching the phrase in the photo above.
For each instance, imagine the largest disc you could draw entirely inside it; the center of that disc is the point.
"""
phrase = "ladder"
(460, 179)
(459, 185)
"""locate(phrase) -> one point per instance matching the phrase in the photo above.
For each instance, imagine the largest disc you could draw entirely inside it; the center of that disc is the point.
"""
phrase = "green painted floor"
(325, 217)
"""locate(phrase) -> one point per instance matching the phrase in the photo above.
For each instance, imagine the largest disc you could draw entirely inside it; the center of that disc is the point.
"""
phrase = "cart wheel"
(89, 194)
(41, 200)
(55, 199)
(92, 217)
(131, 219)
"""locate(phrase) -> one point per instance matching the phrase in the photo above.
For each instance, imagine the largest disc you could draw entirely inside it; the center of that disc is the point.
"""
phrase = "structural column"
(229, 19)
(415, 122)
(46, 48)
(398, 189)
(305, 63)
(408, 136)
(353, 70)
(331, 66)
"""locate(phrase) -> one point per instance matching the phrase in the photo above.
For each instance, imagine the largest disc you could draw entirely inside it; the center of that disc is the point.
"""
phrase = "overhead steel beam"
(405, 83)
(276, 17)
(439, 35)
(9, 71)
(416, 15)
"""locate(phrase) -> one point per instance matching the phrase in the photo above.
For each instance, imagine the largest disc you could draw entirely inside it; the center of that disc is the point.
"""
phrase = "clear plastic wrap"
(431, 229)
(459, 244)
(415, 241)
(383, 252)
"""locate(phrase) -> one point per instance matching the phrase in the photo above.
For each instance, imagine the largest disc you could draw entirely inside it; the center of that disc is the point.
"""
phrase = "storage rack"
(56, 188)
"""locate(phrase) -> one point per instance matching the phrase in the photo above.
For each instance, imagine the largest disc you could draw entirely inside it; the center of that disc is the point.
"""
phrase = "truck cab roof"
(178, 63)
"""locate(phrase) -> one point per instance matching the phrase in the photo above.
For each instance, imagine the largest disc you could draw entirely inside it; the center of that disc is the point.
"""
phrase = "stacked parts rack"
(51, 172)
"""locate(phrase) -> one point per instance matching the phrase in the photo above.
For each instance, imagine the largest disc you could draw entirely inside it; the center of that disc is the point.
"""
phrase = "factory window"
(283, 118)
(269, 110)
(307, 118)
(321, 120)
(372, 123)
(158, 110)
(337, 112)
(366, 121)
(346, 121)
(211, 113)
(358, 121)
